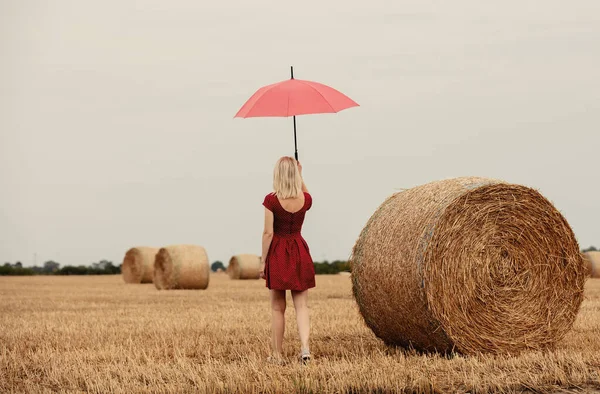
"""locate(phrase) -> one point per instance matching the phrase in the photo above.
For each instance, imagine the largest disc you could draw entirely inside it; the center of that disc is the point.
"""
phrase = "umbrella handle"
(295, 142)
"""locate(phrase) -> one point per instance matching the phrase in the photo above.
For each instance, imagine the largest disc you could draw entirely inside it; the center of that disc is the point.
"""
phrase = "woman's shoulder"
(307, 200)
(268, 200)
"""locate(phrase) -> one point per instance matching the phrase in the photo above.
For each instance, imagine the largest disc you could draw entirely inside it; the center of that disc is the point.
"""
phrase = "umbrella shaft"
(295, 142)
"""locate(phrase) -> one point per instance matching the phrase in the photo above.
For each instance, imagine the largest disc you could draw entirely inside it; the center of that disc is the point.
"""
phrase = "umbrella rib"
(320, 94)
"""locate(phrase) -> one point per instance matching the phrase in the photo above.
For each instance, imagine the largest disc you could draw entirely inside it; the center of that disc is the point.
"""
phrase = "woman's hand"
(261, 269)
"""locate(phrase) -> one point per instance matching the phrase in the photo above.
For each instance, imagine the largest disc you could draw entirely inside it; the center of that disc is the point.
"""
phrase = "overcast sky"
(117, 129)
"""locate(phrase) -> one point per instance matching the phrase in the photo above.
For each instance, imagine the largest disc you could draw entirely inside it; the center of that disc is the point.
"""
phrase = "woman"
(288, 264)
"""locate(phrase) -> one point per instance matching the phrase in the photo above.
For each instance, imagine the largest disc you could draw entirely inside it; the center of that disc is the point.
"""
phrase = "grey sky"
(116, 122)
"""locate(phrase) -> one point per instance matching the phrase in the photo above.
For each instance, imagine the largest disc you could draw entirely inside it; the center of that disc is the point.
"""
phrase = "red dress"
(288, 265)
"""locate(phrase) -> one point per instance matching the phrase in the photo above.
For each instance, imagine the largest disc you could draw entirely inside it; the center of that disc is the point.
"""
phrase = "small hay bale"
(468, 265)
(181, 267)
(244, 266)
(592, 260)
(138, 265)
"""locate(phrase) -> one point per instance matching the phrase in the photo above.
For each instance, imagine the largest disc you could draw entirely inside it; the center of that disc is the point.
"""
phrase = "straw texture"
(138, 265)
(244, 266)
(592, 260)
(181, 267)
(468, 265)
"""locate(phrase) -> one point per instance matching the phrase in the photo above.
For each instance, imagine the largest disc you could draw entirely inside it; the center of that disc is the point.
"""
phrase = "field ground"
(96, 334)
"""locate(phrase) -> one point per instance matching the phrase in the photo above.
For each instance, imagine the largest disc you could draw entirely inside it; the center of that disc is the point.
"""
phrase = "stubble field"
(97, 334)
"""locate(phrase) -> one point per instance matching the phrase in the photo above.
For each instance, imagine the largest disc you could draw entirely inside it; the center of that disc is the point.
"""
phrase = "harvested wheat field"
(98, 334)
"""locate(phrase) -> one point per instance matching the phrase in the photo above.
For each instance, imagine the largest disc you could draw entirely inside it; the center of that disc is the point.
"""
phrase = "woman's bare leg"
(301, 304)
(277, 321)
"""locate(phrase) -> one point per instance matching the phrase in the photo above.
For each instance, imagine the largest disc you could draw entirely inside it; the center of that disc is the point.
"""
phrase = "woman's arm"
(267, 237)
(304, 188)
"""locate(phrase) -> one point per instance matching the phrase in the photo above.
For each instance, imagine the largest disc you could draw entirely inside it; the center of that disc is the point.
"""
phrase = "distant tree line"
(51, 267)
(104, 267)
(15, 269)
(590, 249)
(335, 267)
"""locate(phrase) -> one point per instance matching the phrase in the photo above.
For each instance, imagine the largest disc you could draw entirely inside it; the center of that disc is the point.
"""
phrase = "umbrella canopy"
(294, 97)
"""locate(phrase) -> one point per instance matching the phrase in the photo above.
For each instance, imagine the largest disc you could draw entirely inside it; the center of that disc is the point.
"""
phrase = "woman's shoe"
(305, 356)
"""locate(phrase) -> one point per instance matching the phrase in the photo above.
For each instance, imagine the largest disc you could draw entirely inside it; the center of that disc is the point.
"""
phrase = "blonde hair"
(287, 181)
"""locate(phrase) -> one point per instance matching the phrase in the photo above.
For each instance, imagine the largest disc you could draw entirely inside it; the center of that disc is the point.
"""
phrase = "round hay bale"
(244, 266)
(138, 265)
(181, 267)
(468, 265)
(592, 260)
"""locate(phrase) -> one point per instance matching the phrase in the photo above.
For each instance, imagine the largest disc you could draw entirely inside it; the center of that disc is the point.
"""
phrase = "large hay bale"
(468, 265)
(181, 267)
(244, 266)
(592, 260)
(138, 265)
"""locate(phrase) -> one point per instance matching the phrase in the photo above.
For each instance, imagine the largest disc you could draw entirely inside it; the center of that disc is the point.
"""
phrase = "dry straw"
(592, 260)
(138, 265)
(244, 266)
(468, 265)
(181, 267)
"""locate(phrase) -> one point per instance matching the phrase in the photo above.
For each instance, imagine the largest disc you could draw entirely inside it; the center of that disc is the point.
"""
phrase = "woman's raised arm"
(304, 188)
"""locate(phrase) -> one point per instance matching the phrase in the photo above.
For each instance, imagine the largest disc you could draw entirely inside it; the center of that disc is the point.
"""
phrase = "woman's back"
(288, 215)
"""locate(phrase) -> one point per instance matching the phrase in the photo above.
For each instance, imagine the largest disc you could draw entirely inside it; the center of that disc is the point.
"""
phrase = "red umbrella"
(294, 97)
